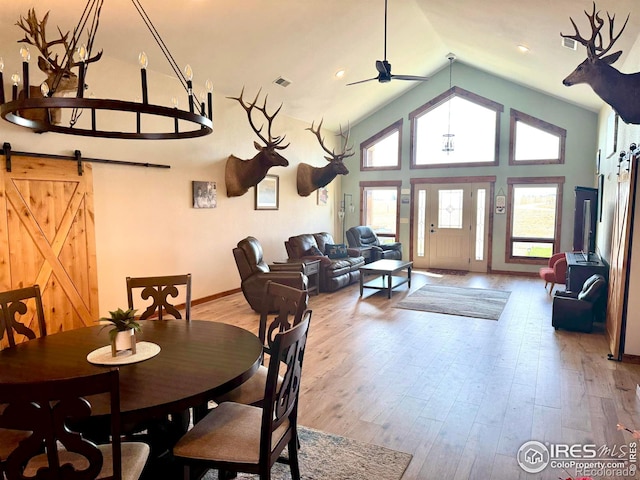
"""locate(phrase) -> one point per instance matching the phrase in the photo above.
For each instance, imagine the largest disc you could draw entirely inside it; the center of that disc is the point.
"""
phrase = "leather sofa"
(335, 273)
(254, 272)
(365, 239)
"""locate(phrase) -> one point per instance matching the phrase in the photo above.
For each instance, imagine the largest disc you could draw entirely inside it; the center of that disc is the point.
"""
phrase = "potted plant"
(123, 333)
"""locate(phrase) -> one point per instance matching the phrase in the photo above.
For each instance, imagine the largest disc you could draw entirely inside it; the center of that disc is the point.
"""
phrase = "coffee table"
(387, 278)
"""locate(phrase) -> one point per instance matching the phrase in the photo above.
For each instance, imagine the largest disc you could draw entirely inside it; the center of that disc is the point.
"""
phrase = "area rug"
(331, 457)
(464, 302)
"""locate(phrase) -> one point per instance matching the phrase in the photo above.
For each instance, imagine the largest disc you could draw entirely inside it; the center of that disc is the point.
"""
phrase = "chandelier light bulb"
(25, 54)
(143, 60)
(174, 101)
(209, 86)
(83, 54)
(1, 65)
(188, 72)
(15, 78)
(44, 89)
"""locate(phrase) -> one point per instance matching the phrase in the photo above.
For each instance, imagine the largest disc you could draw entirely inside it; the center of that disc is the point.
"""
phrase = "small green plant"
(121, 320)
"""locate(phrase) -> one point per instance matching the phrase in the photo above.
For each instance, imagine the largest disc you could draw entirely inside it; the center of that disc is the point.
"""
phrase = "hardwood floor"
(460, 394)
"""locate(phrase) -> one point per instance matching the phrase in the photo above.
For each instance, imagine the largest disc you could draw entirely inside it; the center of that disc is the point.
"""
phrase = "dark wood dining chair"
(16, 302)
(235, 437)
(159, 289)
(48, 411)
(290, 304)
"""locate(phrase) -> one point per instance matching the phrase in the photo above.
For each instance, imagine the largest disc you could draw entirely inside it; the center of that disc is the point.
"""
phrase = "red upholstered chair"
(555, 272)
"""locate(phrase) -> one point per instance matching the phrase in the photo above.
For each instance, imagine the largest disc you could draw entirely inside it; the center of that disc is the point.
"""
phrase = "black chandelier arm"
(10, 112)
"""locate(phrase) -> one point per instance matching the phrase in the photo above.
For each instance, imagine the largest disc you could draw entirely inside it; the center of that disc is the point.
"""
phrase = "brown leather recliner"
(254, 272)
(364, 238)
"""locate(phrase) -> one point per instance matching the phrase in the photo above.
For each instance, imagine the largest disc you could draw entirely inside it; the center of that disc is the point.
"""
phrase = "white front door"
(449, 226)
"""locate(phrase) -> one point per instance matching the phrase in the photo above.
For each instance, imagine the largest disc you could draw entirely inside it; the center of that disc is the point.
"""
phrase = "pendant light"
(447, 138)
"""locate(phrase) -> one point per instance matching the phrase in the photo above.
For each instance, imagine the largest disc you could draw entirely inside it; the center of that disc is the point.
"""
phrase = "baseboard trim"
(631, 359)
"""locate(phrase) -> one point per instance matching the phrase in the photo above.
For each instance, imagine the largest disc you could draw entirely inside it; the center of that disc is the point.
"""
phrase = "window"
(535, 141)
(534, 218)
(381, 208)
(469, 120)
(382, 151)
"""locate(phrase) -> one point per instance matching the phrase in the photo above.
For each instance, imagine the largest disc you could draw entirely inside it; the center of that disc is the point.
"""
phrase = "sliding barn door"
(618, 272)
(47, 238)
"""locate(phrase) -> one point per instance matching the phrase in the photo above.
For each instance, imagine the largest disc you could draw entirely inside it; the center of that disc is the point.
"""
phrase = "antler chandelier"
(40, 109)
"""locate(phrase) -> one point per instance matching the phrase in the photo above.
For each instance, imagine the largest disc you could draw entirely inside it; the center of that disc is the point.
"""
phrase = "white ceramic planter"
(125, 340)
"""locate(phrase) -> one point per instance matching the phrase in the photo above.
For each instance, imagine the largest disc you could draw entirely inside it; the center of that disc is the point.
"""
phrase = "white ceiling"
(250, 43)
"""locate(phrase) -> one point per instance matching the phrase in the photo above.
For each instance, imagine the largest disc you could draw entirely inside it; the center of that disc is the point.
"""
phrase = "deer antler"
(346, 152)
(36, 35)
(594, 44)
(271, 142)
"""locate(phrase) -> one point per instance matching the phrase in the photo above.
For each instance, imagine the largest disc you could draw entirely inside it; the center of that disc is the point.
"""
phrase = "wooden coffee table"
(387, 278)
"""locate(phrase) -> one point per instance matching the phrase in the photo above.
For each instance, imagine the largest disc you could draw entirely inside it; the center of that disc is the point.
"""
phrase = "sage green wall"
(579, 166)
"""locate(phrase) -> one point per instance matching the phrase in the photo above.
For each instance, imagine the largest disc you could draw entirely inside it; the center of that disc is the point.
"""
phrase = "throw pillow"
(313, 252)
(338, 250)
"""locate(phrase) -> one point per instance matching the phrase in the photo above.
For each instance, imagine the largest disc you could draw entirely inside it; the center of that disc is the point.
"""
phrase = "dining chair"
(159, 289)
(13, 303)
(235, 437)
(49, 411)
(291, 304)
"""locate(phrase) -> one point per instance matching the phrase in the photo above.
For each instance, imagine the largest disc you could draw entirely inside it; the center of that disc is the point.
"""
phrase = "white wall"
(145, 224)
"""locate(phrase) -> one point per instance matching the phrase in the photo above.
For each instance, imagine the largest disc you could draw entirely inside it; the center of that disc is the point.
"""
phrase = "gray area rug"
(324, 456)
(464, 302)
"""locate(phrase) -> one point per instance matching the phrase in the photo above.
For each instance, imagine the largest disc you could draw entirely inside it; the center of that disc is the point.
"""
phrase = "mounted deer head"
(619, 90)
(60, 79)
(311, 178)
(240, 175)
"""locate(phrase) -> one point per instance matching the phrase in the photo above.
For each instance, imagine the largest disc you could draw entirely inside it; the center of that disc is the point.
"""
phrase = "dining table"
(196, 361)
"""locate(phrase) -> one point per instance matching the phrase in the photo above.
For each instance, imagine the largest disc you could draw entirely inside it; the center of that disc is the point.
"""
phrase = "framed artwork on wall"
(323, 196)
(204, 194)
(267, 193)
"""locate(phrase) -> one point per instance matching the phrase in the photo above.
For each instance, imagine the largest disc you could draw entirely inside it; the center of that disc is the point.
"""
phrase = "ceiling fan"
(384, 67)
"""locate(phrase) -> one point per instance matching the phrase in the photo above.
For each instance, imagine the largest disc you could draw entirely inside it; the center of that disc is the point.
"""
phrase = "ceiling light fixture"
(25, 108)
(340, 73)
(523, 48)
(447, 138)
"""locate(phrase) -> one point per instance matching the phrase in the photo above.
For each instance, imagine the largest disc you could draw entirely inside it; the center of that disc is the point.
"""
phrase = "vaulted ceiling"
(251, 43)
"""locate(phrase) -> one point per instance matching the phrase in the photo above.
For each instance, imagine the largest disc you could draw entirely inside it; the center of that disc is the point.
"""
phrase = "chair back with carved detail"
(289, 304)
(159, 289)
(50, 411)
(27, 304)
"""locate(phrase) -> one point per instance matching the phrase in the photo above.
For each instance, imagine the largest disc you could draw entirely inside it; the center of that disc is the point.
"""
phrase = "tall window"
(534, 218)
(470, 121)
(382, 151)
(535, 141)
(381, 208)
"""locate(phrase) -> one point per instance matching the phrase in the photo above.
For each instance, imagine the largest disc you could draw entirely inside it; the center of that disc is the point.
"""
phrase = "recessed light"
(340, 73)
(523, 48)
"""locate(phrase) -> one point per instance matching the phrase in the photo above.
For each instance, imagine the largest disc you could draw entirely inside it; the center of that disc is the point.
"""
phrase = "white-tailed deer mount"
(620, 90)
(60, 79)
(240, 175)
(311, 178)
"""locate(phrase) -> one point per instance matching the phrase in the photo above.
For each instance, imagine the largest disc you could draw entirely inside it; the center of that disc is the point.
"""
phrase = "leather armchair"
(364, 238)
(254, 272)
(555, 272)
(578, 310)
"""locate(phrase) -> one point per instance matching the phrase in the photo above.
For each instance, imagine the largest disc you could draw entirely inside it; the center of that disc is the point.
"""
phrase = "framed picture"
(204, 194)
(267, 193)
(612, 134)
(323, 196)
(501, 203)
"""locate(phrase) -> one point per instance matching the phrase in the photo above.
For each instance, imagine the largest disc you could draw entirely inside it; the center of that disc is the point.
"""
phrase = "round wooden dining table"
(198, 360)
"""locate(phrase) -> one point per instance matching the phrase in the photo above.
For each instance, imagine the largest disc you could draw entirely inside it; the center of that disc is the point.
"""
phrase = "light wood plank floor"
(460, 394)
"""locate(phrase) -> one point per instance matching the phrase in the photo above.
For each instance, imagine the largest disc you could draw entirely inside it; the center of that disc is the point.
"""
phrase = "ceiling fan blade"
(362, 81)
(410, 77)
